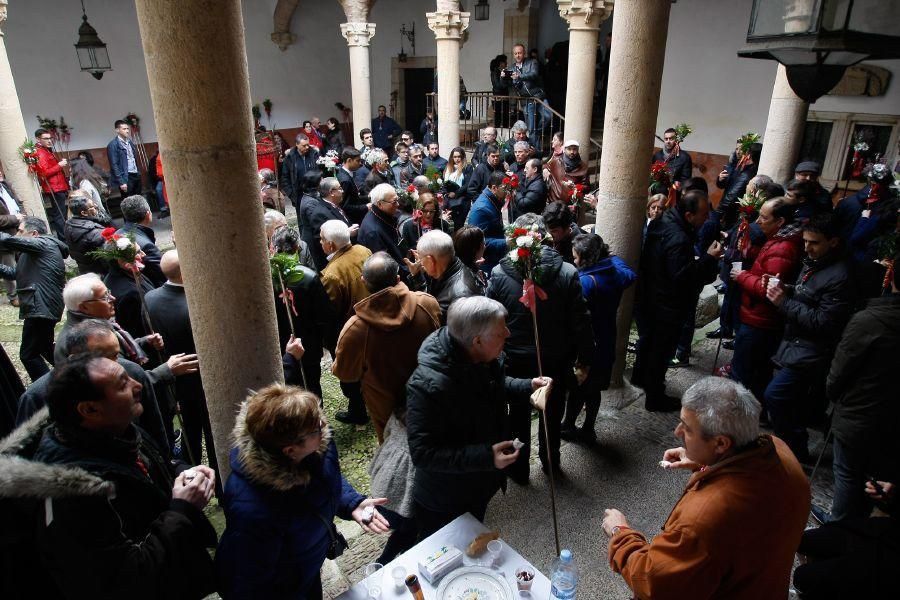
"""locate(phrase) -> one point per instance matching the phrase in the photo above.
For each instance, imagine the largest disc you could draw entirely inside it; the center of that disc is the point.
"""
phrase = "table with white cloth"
(459, 533)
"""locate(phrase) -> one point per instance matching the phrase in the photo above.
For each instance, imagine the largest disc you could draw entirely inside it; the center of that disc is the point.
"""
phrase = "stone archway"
(284, 13)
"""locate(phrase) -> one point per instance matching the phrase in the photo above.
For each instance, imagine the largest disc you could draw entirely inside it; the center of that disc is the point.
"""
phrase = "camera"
(506, 73)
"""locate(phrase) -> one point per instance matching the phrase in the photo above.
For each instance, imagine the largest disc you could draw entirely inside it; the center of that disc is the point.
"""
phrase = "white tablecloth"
(460, 532)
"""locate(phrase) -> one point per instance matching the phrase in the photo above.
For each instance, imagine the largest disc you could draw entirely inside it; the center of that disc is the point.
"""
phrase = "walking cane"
(716, 359)
(537, 347)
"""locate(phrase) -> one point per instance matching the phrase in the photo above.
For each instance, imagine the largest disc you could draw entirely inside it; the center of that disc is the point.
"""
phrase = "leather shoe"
(728, 344)
(719, 333)
(345, 417)
(663, 404)
(676, 362)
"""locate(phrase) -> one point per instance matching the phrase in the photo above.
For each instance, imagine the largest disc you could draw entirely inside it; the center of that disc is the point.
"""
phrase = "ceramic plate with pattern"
(474, 583)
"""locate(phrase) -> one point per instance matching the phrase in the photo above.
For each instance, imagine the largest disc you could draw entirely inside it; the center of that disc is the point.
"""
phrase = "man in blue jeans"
(526, 79)
(815, 311)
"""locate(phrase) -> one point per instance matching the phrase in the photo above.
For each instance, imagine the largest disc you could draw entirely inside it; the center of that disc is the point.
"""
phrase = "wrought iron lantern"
(92, 54)
(482, 10)
(816, 40)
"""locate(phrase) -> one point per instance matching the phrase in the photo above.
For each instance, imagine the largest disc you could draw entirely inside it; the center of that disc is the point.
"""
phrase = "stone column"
(787, 112)
(584, 18)
(197, 69)
(448, 23)
(13, 133)
(638, 46)
(358, 36)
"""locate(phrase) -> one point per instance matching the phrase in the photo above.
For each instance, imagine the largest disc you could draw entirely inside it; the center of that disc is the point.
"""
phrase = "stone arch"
(284, 12)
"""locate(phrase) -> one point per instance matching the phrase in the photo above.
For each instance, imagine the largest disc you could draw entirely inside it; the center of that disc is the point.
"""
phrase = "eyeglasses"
(46, 139)
(314, 433)
(107, 297)
(394, 201)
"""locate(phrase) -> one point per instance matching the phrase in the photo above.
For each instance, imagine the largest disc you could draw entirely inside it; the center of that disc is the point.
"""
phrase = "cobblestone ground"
(619, 472)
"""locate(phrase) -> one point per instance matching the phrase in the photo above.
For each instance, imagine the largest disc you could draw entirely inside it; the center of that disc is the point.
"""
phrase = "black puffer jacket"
(816, 313)
(457, 410)
(40, 274)
(83, 236)
(862, 381)
(669, 277)
(457, 282)
(293, 169)
(530, 198)
(563, 321)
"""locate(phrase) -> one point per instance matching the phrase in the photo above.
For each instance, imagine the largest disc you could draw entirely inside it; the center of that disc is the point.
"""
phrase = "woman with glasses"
(425, 217)
(282, 496)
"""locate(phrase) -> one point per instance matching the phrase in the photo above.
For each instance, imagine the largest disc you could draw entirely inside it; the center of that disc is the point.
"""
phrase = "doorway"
(417, 83)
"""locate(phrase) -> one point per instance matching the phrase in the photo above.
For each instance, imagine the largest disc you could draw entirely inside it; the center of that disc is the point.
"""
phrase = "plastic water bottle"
(565, 578)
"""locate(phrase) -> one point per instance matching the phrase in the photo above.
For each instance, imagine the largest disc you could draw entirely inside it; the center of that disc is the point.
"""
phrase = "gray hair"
(37, 224)
(472, 317)
(286, 240)
(267, 175)
(521, 146)
(761, 179)
(78, 204)
(528, 219)
(421, 181)
(327, 184)
(436, 243)
(380, 272)
(724, 407)
(416, 148)
(80, 289)
(80, 335)
(492, 130)
(335, 231)
(519, 126)
(134, 209)
(273, 219)
(534, 163)
(379, 192)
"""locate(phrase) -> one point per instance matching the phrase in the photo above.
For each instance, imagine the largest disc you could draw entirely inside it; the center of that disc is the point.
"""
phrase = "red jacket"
(781, 256)
(50, 175)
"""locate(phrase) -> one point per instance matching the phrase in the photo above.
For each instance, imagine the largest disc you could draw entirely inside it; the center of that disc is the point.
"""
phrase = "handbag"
(338, 541)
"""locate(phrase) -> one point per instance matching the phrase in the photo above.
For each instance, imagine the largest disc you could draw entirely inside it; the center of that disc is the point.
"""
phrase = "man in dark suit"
(353, 204)
(137, 216)
(124, 173)
(168, 310)
(316, 211)
(483, 171)
(297, 162)
(531, 197)
(10, 217)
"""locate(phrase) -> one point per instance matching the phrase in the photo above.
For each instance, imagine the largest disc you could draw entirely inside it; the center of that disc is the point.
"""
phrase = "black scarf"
(571, 164)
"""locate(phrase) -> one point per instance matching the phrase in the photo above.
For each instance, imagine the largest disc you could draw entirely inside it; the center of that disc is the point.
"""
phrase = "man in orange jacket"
(734, 532)
(53, 181)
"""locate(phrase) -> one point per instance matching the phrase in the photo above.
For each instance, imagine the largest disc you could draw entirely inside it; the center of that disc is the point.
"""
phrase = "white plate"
(474, 583)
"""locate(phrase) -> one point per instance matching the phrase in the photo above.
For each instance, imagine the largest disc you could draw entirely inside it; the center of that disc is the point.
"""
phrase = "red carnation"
(506, 181)
(524, 252)
(108, 233)
(410, 188)
(514, 182)
(520, 231)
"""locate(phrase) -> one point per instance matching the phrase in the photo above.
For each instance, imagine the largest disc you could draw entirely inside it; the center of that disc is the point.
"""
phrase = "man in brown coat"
(342, 280)
(734, 532)
(379, 345)
(565, 170)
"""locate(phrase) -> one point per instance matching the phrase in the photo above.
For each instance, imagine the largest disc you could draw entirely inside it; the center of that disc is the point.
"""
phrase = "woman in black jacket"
(334, 138)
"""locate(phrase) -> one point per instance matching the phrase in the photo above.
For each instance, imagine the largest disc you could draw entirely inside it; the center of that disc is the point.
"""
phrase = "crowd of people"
(412, 280)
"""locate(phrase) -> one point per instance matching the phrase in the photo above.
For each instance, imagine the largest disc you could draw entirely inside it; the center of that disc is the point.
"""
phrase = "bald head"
(171, 267)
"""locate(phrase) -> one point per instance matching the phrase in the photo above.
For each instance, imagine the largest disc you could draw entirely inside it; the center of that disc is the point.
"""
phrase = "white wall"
(723, 96)
(704, 82)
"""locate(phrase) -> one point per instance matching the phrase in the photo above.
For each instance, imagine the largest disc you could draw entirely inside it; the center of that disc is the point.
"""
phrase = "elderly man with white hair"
(734, 532)
(488, 138)
(380, 228)
(445, 276)
(273, 221)
(457, 414)
(342, 279)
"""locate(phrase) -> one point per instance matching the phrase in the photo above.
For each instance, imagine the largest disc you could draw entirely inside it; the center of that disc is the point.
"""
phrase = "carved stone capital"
(448, 25)
(283, 39)
(3, 4)
(584, 14)
(358, 34)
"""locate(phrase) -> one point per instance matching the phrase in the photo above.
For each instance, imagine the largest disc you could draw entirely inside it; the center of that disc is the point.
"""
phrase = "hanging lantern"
(482, 10)
(92, 54)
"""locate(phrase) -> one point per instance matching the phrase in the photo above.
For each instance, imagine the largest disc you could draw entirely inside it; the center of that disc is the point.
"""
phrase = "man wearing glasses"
(379, 230)
(53, 181)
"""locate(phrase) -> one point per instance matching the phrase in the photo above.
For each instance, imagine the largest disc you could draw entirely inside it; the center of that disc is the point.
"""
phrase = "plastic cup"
(737, 266)
(494, 548)
(774, 282)
(399, 575)
(373, 579)
(524, 578)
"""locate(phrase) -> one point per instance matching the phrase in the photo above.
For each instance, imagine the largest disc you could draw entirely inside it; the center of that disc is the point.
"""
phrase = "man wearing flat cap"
(809, 170)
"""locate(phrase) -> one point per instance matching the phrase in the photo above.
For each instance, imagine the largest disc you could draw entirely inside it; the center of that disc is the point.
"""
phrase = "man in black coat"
(297, 162)
(562, 319)
(40, 277)
(316, 210)
(379, 230)
(488, 138)
(669, 279)
(311, 312)
(137, 216)
(816, 309)
(168, 309)
(678, 161)
(353, 203)
(126, 525)
(82, 234)
(458, 399)
(446, 277)
(862, 385)
(531, 197)
(11, 215)
(482, 173)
